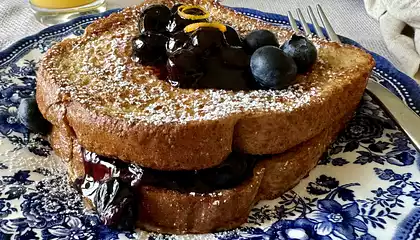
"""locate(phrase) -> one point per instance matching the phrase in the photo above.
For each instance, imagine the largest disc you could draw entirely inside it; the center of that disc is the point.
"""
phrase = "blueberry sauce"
(112, 185)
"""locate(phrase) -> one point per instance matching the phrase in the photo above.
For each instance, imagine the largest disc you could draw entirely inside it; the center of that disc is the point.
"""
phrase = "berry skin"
(232, 37)
(149, 48)
(30, 116)
(115, 204)
(272, 68)
(155, 18)
(259, 38)
(302, 51)
(179, 40)
(177, 23)
(207, 40)
(184, 68)
(234, 57)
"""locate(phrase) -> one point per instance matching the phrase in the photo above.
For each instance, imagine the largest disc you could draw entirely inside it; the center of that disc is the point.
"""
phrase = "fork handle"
(406, 118)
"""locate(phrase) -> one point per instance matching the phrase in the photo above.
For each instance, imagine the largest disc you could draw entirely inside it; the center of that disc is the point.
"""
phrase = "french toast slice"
(171, 211)
(91, 89)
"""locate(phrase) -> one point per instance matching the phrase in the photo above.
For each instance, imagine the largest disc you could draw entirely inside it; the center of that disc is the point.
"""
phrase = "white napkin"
(393, 17)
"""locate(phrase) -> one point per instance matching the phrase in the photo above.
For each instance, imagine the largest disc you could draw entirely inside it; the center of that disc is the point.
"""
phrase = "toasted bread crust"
(168, 211)
(334, 86)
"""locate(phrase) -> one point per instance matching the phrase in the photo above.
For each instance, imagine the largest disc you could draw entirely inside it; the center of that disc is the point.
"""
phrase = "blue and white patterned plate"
(367, 186)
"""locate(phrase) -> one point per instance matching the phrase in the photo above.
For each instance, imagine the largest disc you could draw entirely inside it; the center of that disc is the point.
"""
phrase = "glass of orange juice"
(50, 12)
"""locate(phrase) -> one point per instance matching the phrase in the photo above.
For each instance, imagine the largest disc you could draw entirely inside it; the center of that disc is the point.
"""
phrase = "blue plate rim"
(403, 83)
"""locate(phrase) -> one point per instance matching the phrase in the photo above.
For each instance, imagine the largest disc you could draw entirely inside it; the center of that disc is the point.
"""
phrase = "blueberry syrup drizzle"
(199, 54)
(203, 58)
(112, 185)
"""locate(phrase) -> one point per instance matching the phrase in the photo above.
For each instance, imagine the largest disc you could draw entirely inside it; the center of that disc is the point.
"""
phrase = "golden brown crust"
(284, 171)
(172, 212)
(69, 150)
(169, 211)
(339, 78)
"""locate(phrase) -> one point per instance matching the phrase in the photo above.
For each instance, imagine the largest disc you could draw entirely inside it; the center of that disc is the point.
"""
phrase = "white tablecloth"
(349, 19)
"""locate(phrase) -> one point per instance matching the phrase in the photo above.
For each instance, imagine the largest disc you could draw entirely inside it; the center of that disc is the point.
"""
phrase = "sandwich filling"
(112, 185)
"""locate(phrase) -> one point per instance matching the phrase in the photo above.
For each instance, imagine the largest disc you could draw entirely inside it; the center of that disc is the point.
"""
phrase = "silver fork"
(404, 117)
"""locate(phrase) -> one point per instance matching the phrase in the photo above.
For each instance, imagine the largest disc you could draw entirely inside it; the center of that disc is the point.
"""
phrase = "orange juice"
(50, 12)
(60, 4)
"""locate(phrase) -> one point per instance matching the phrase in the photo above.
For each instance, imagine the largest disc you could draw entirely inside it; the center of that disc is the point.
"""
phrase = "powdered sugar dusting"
(17, 160)
(99, 72)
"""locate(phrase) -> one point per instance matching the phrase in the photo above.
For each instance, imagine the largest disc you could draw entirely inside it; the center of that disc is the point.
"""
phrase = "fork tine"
(327, 25)
(303, 22)
(292, 22)
(318, 29)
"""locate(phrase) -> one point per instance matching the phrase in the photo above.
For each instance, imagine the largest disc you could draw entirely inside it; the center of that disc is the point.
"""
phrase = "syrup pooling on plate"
(112, 185)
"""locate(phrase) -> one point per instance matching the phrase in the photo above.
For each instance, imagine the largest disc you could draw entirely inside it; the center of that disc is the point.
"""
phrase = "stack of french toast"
(180, 117)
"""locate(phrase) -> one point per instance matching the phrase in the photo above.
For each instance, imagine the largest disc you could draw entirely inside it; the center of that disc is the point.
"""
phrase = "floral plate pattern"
(366, 186)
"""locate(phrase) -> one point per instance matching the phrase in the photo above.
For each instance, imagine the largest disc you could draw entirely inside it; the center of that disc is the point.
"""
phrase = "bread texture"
(94, 94)
(170, 211)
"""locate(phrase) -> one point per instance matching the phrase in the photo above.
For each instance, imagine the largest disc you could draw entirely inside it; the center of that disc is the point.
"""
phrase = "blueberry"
(235, 57)
(302, 51)
(115, 203)
(155, 18)
(184, 68)
(177, 24)
(178, 41)
(30, 116)
(272, 68)
(231, 172)
(112, 184)
(232, 37)
(259, 38)
(149, 48)
(208, 39)
(219, 75)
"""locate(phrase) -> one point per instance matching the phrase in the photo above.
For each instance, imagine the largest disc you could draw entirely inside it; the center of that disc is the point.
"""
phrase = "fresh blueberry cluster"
(196, 53)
